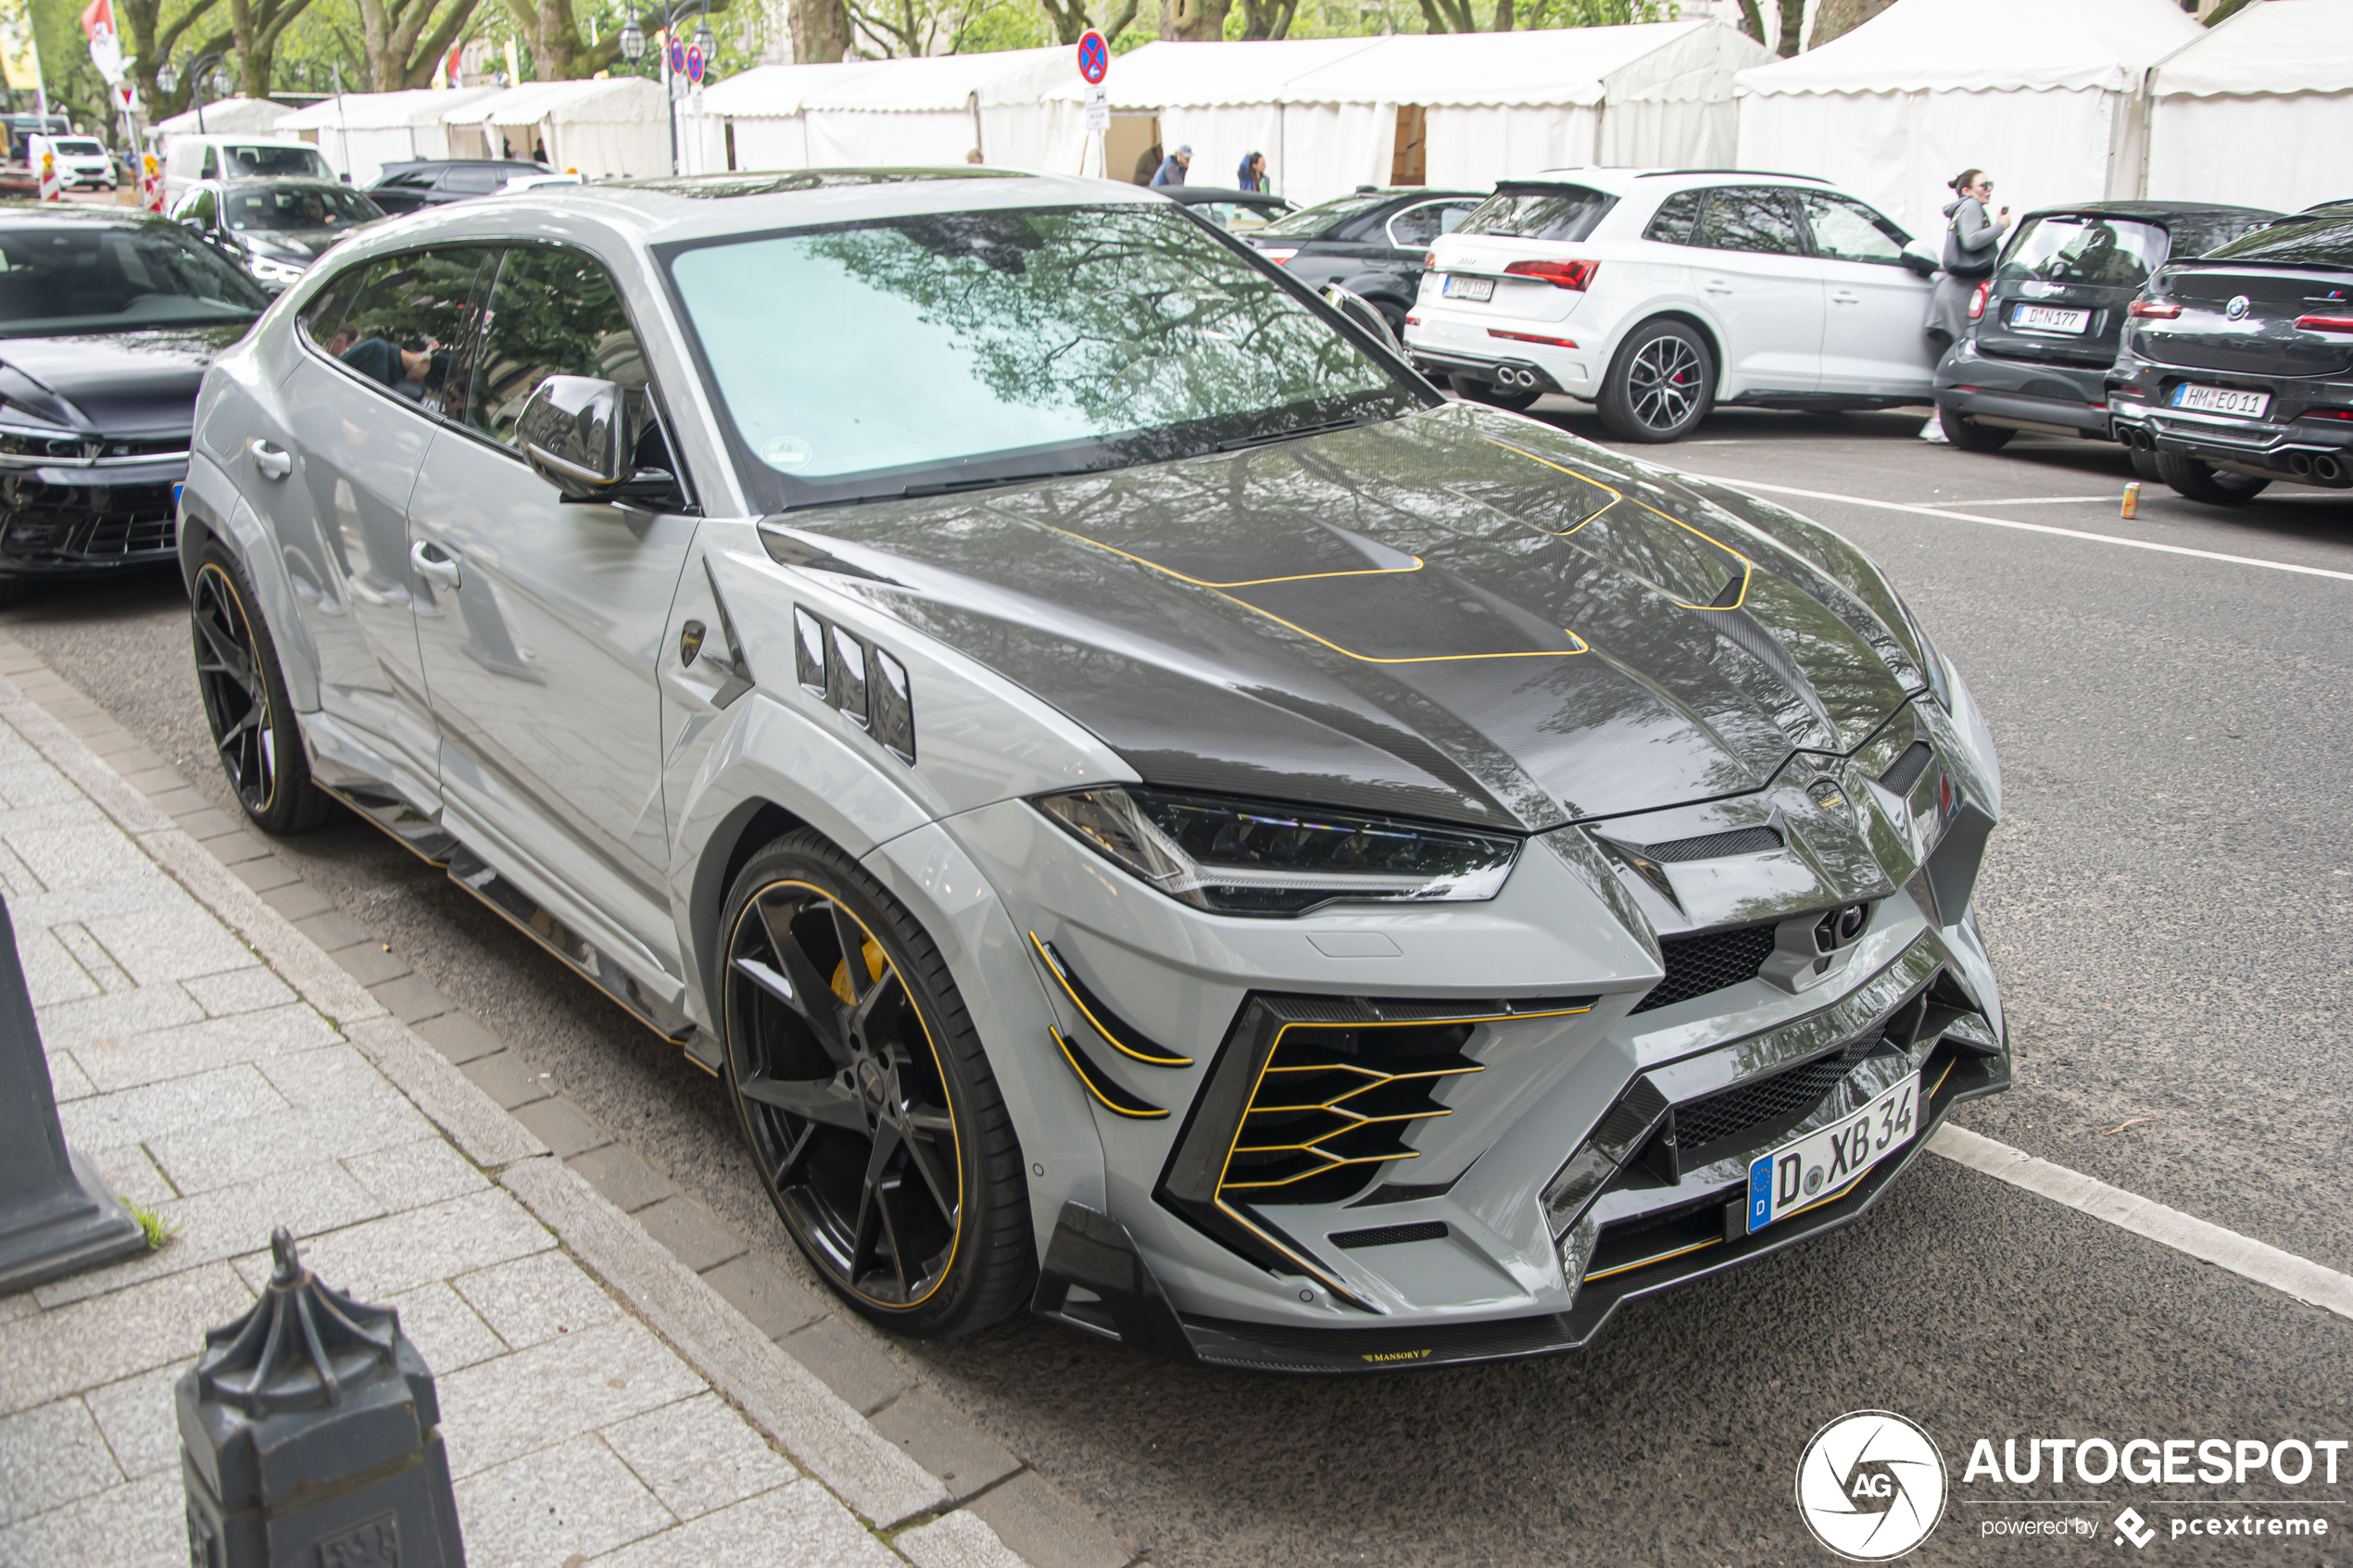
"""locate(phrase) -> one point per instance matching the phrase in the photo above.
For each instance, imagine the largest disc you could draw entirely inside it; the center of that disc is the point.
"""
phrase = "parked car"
(2044, 326)
(1237, 211)
(408, 187)
(83, 163)
(222, 155)
(1108, 871)
(274, 229)
(108, 319)
(2235, 369)
(1659, 294)
(1372, 242)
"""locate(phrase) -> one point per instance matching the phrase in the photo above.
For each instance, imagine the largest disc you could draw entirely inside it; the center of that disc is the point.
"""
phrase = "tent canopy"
(1169, 75)
(1986, 45)
(774, 92)
(229, 117)
(2272, 46)
(1556, 66)
(620, 100)
(381, 111)
(942, 83)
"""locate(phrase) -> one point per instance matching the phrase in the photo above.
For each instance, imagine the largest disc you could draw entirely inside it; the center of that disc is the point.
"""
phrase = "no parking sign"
(1094, 64)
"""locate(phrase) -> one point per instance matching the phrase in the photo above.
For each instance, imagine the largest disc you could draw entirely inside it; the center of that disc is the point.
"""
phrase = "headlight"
(1259, 858)
(272, 271)
(40, 441)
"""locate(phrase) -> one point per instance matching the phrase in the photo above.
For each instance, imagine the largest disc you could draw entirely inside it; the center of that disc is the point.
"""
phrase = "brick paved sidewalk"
(601, 1404)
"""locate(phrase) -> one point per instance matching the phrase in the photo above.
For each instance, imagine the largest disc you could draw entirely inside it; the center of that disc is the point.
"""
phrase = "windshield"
(240, 163)
(1310, 222)
(2102, 252)
(79, 146)
(93, 278)
(965, 348)
(1551, 212)
(298, 207)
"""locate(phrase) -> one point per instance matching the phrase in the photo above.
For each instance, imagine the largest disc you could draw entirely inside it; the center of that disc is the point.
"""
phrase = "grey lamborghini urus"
(1152, 815)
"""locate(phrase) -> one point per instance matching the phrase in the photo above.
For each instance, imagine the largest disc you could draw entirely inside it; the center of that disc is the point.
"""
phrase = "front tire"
(1660, 386)
(1968, 434)
(245, 705)
(866, 1099)
(2204, 482)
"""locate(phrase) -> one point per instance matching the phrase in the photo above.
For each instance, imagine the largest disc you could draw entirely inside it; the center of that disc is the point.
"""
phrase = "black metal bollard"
(57, 1216)
(309, 1434)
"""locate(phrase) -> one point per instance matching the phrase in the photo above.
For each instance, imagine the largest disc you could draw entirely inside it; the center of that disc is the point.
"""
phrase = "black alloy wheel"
(2203, 481)
(1661, 385)
(879, 1133)
(245, 703)
(1968, 434)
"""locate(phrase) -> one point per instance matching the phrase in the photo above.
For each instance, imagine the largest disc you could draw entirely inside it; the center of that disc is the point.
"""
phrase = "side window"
(211, 170)
(331, 304)
(475, 180)
(201, 206)
(408, 326)
(1753, 218)
(1676, 218)
(1416, 226)
(558, 313)
(1845, 229)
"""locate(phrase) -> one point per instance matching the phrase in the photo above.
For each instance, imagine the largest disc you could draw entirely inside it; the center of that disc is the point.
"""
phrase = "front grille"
(1715, 846)
(1785, 1098)
(1708, 962)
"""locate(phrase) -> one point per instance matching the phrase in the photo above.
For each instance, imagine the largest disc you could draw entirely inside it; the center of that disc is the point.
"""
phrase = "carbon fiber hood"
(1454, 615)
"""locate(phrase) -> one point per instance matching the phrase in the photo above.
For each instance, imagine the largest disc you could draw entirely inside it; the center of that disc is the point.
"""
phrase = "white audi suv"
(1657, 293)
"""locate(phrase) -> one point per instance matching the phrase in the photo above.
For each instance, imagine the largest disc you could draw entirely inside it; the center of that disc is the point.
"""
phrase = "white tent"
(2045, 96)
(2257, 110)
(931, 110)
(611, 129)
(249, 116)
(360, 133)
(1494, 105)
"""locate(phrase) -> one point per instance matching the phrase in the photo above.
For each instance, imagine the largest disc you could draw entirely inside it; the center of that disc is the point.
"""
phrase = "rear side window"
(1538, 212)
(2323, 240)
(1845, 229)
(476, 181)
(1751, 217)
(2195, 236)
(410, 179)
(1678, 216)
(555, 313)
(1313, 222)
(1416, 226)
(408, 326)
(2102, 252)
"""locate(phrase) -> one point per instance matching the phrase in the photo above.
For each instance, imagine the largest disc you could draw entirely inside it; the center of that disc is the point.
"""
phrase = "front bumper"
(73, 521)
(2024, 393)
(2291, 443)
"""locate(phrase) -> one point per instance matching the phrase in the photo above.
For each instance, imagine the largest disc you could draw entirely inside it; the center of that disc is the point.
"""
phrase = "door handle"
(432, 564)
(273, 462)
(1845, 297)
(1716, 285)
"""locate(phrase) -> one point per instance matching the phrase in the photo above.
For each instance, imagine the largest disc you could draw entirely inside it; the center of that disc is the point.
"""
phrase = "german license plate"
(2050, 319)
(2222, 400)
(1820, 1165)
(1460, 287)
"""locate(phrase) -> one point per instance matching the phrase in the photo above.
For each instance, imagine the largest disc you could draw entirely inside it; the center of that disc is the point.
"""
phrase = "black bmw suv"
(2236, 369)
(2045, 325)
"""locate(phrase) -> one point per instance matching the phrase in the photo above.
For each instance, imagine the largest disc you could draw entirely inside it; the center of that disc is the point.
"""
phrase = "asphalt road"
(2167, 900)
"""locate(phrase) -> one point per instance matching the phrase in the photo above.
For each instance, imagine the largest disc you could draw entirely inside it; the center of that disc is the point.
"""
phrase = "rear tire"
(1968, 434)
(1489, 393)
(2204, 482)
(2144, 464)
(1660, 386)
(253, 730)
(866, 1099)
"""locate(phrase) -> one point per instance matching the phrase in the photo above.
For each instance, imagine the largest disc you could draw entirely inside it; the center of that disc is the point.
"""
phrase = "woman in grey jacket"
(1971, 241)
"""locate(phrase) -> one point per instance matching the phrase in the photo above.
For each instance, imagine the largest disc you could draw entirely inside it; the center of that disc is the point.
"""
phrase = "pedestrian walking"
(1972, 240)
(1147, 164)
(1173, 167)
(1252, 175)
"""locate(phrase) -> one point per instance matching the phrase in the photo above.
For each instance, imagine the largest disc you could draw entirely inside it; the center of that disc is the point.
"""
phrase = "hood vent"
(1715, 846)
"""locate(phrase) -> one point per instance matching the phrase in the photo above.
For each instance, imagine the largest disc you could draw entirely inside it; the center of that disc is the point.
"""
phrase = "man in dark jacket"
(1172, 169)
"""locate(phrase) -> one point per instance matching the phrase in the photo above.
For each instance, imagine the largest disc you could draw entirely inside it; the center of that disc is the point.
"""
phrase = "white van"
(226, 156)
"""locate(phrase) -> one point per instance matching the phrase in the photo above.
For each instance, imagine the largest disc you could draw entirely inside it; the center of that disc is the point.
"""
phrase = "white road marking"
(2116, 499)
(2301, 1277)
(2027, 527)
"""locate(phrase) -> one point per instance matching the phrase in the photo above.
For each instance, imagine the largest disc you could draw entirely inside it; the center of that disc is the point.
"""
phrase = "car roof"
(1616, 182)
(2148, 211)
(407, 163)
(1217, 193)
(309, 181)
(26, 213)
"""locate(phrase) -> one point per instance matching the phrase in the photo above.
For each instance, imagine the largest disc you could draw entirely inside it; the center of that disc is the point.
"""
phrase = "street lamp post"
(633, 49)
(168, 77)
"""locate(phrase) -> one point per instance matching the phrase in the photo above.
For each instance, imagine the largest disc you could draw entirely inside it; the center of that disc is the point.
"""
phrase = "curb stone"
(834, 1442)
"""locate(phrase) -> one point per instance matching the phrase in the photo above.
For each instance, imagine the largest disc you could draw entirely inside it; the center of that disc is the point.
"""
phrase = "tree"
(1069, 18)
(256, 25)
(1793, 28)
(1268, 19)
(820, 29)
(153, 41)
(1462, 16)
(401, 40)
(1837, 17)
(1194, 21)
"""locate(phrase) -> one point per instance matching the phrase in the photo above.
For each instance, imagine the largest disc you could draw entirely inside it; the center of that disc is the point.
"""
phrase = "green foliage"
(157, 1229)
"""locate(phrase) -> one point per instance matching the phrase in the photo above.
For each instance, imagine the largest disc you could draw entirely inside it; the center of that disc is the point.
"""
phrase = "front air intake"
(1710, 961)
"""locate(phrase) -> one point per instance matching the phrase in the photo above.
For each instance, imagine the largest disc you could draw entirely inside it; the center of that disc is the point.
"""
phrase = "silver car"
(1151, 814)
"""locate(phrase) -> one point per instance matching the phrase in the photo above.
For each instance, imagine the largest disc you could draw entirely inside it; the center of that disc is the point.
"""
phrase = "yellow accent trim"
(1219, 589)
(1748, 567)
(955, 1138)
(1121, 1046)
(1152, 1114)
(1646, 1262)
(1250, 1105)
(1939, 1083)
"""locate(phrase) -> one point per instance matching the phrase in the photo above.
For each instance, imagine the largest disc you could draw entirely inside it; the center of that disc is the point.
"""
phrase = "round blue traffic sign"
(677, 56)
(1094, 58)
(694, 64)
